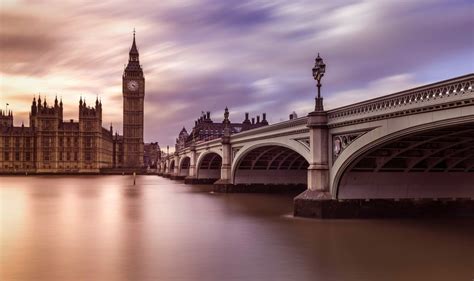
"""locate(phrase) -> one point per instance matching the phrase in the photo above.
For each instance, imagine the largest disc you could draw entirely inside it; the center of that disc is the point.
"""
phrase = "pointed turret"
(134, 50)
(133, 68)
(34, 109)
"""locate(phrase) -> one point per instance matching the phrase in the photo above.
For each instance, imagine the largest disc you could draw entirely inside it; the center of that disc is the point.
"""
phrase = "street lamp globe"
(319, 69)
(318, 72)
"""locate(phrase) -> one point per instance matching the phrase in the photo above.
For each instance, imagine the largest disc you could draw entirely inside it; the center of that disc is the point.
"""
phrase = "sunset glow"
(251, 56)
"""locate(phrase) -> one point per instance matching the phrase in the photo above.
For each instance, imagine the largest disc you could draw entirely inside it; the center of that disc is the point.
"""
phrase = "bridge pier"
(175, 171)
(307, 205)
(226, 166)
(191, 178)
(314, 201)
(318, 170)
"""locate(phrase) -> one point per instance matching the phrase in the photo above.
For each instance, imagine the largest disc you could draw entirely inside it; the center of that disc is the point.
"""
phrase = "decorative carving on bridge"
(340, 142)
(304, 142)
(235, 150)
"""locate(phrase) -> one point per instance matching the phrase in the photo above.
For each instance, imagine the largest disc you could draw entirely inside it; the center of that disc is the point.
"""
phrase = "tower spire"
(134, 49)
(133, 68)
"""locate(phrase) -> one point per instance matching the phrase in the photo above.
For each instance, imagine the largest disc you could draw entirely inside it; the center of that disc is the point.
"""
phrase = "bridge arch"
(270, 163)
(208, 165)
(172, 164)
(432, 160)
(164, 167)
(184, 164)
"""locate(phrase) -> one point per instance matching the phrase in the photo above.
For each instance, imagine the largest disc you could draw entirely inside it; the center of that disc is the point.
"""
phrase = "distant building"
(151, 155)
(182, 139)
(51, 145)
(205, 129)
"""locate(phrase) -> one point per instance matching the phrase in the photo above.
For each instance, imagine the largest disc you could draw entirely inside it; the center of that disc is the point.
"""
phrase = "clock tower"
(133, 89)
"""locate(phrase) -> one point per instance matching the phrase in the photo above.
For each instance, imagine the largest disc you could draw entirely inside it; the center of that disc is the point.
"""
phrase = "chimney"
(258, 119)
(264, 119)
(253, 120)
(246, 121)
(291, 116)
(71, 120)
(208, 115)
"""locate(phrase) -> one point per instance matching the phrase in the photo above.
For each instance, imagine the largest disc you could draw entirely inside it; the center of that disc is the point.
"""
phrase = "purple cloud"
(252, 56)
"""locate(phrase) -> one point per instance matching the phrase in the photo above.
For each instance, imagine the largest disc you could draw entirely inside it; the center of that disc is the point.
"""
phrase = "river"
(104, 228)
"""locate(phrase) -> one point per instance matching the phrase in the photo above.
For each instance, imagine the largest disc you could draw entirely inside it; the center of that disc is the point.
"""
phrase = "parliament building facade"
(51, 145)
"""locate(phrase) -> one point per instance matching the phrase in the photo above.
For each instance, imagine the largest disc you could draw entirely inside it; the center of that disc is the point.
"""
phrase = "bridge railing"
(428, 95)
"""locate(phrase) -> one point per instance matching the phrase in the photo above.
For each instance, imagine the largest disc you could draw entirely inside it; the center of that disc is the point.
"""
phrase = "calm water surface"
(102, 228)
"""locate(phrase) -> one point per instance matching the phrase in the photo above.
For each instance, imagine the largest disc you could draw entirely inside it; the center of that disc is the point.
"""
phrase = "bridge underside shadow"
(432, 164)
(425, 174)
(183, 169)
(270, 168)
(208, 170)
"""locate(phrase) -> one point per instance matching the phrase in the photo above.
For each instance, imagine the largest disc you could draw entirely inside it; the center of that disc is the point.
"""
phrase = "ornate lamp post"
(318, 170)
(226, 153)
(318, 72)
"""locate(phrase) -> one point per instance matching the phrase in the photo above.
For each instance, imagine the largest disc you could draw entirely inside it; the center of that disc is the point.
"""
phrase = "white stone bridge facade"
(414, 144)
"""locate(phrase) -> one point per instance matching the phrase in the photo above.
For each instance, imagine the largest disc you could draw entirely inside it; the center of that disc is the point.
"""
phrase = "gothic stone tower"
(133, 89)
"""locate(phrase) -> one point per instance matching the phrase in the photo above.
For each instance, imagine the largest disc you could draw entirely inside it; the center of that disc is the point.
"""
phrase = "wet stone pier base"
(320, 205)
(173, 177)
(199, 181)
(259, 188)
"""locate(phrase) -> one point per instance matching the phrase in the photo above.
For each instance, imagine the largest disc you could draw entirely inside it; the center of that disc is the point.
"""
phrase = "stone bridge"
(411, 146)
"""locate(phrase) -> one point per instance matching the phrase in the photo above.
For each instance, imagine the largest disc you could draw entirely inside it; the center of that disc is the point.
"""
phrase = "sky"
(204, 55)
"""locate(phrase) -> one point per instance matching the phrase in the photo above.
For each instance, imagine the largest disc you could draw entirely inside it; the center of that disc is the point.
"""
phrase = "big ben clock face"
(132, 85)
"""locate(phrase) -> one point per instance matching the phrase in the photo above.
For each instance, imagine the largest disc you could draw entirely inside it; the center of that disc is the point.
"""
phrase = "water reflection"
(104, 228)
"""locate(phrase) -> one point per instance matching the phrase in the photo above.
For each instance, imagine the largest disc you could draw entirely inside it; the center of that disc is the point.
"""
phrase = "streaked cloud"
(251, 55)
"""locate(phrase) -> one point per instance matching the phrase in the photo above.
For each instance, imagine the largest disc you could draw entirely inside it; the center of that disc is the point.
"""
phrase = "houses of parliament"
(52, 145)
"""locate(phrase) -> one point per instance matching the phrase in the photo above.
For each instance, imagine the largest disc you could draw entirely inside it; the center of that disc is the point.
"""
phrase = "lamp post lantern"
(318, 72)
